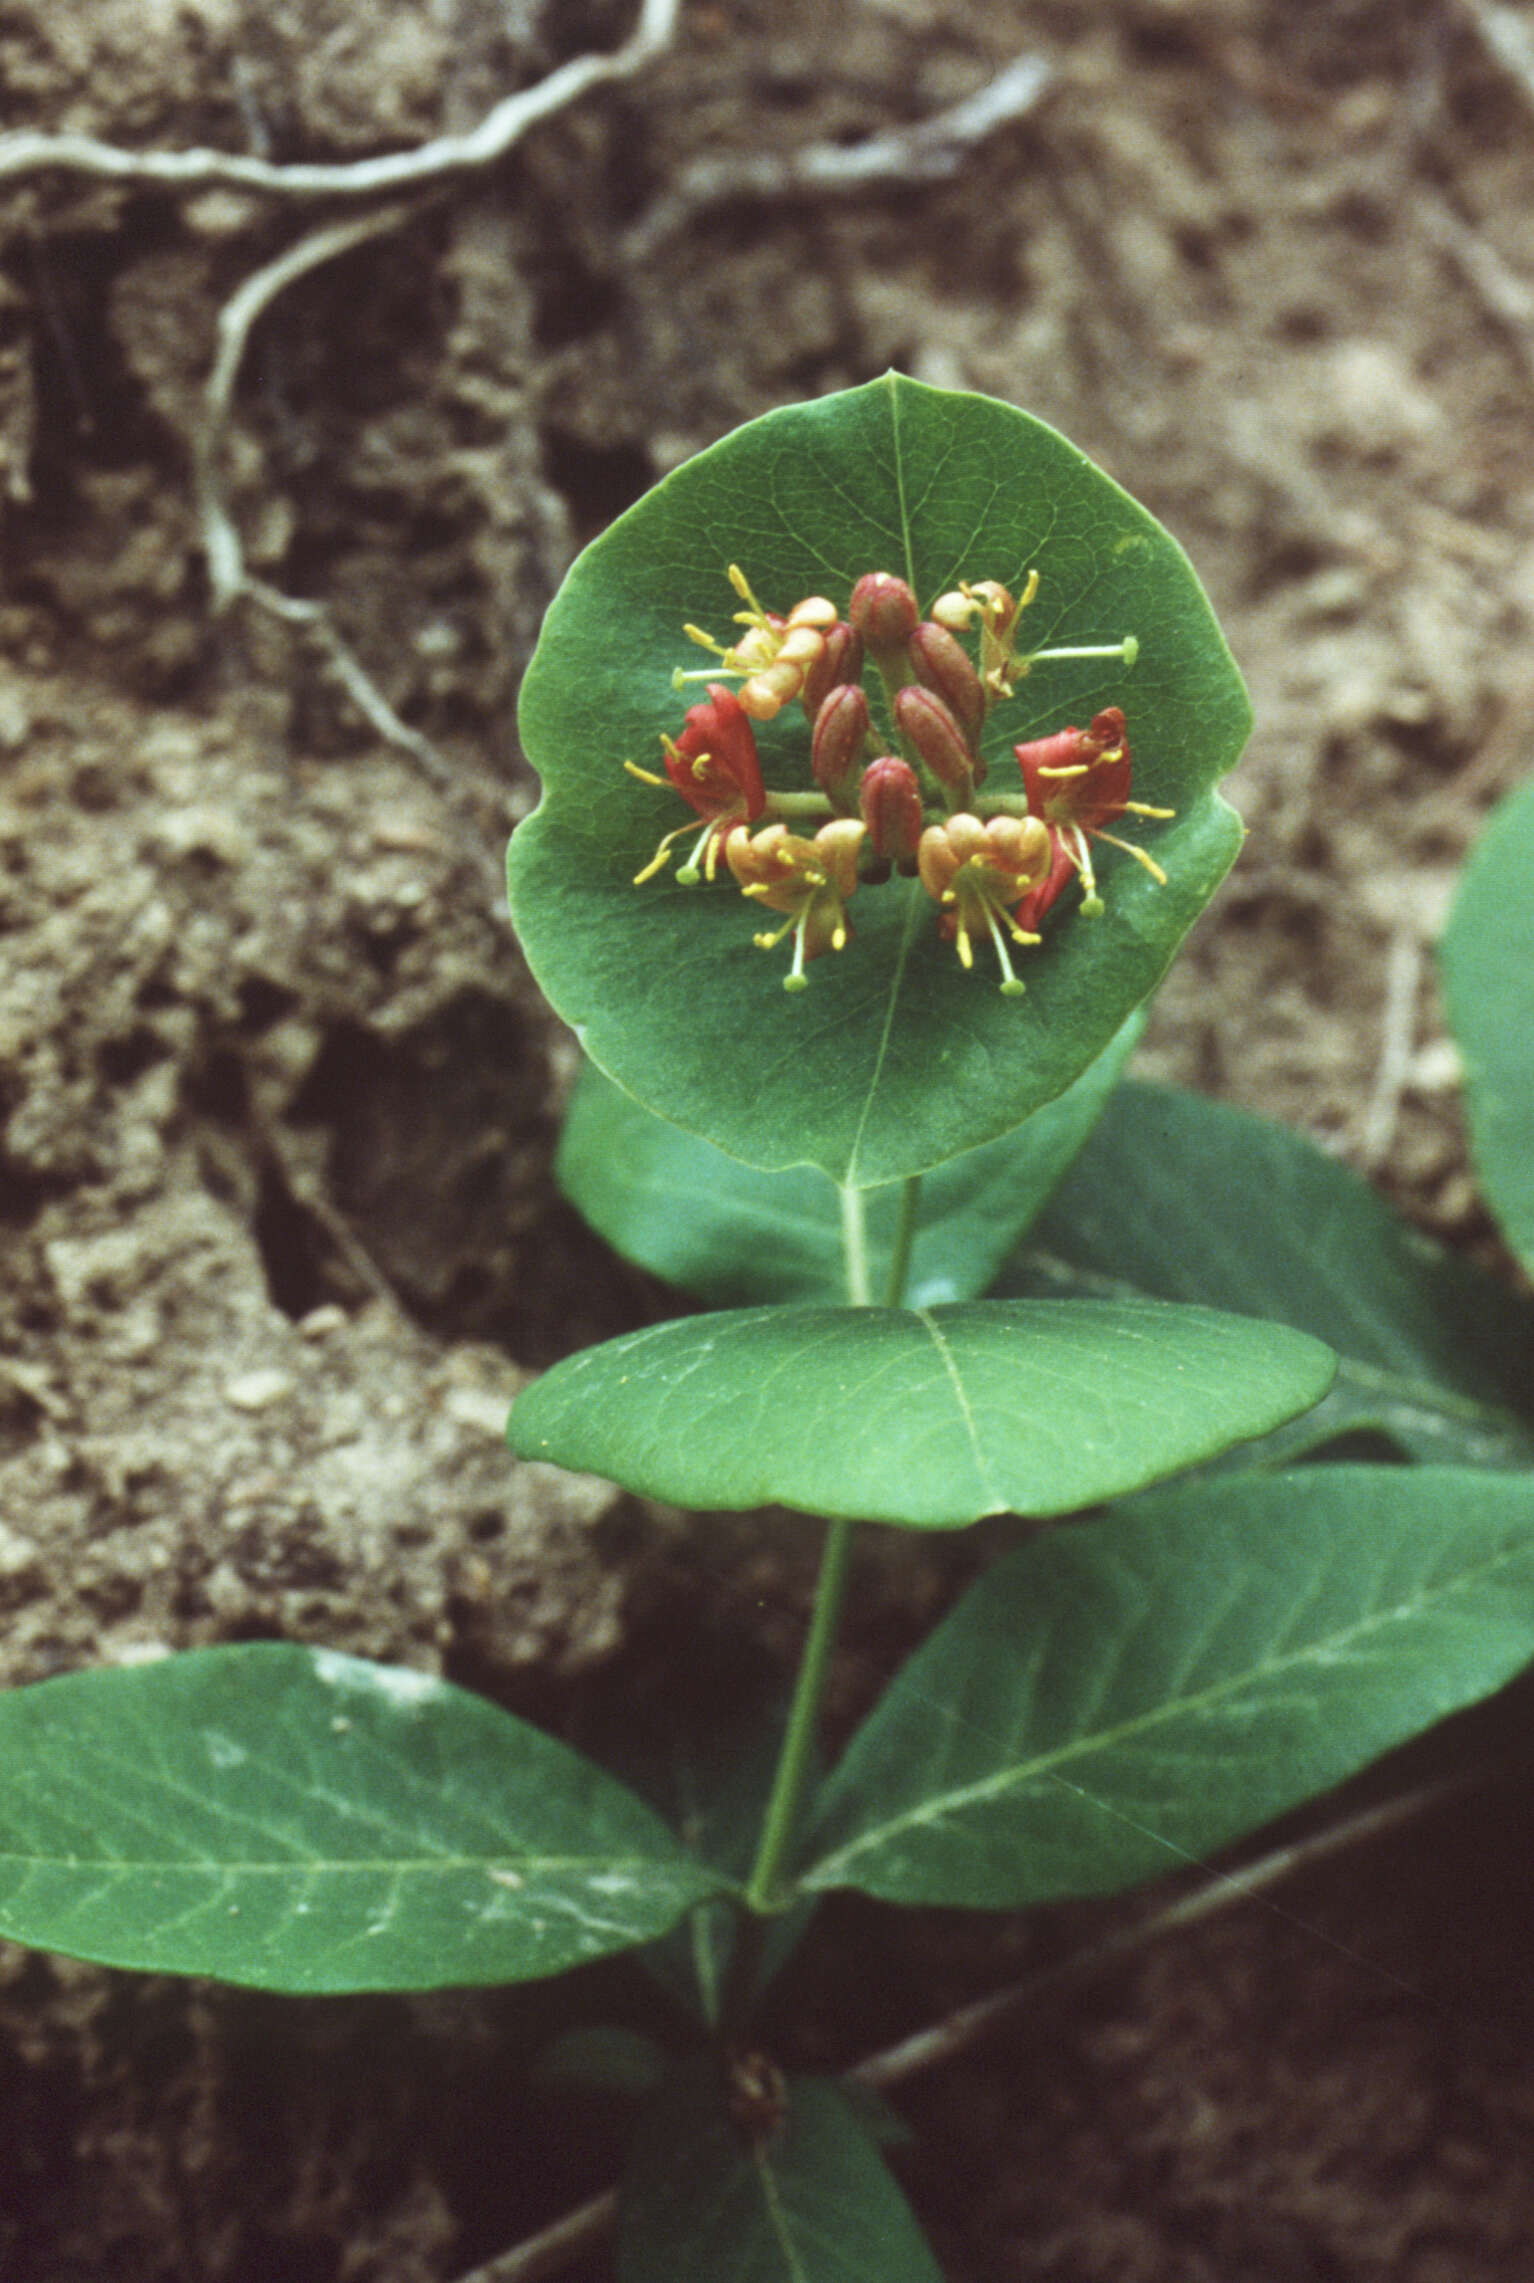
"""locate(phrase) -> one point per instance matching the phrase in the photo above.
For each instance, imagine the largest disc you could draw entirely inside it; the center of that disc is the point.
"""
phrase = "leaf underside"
(1116, 1700)
(298, 1820)
(1178, 1198)
(736, 1236)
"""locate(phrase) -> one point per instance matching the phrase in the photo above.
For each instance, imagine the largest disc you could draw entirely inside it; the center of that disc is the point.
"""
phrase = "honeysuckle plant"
(847, 926)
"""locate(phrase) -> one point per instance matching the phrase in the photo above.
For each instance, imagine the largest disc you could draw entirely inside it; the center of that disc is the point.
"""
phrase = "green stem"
(905, 1235)
(855, 1249)
(798, 804)
(803, 1719)
(788, 1784)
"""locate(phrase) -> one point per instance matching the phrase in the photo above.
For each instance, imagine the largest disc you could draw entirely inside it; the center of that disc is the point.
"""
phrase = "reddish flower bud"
(839, 744)
(943, 666)
(884, 611)
(890, 801)
(936, 738)
(840, 661)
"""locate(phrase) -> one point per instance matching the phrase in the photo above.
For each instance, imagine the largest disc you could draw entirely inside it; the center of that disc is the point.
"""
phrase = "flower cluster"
(906, 799)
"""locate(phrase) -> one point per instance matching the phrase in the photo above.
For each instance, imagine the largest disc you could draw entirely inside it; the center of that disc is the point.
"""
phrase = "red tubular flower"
(1038, 900)
(810, 880)
(714, 766)
(979, 873)
(1077, 781)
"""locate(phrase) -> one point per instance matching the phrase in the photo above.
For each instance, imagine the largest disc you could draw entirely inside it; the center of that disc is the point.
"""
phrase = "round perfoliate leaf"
(894, 1058)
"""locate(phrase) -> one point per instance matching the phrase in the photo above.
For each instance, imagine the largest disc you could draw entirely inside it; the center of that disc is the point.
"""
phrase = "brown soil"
(277, 1100)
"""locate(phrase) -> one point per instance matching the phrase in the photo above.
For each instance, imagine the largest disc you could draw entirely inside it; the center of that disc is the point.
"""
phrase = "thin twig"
(1505, 297)
(928, 2048)
(448, 157)
(932, 150)
(27, 151)
(1398, 1023)
(553, 2247)
(221, 541)
(229, 578)
(543, 2255)
(1507, 40)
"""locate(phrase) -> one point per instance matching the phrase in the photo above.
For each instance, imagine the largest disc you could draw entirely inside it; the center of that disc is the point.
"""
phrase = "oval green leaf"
(1114, 1701)
(1488, 972)
(894, 1059)
(807, 2198)
(736, 1236)
(297, 1820)
(930, 1417)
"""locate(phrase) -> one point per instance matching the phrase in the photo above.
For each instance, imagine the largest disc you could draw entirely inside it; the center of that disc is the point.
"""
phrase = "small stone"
(482, 1408)
(255, 1390)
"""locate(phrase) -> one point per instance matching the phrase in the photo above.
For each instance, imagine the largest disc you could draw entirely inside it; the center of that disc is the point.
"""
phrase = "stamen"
(645, 776)
(688, 874)
(661, 857)
(1128, 650)
(705, 641)
(1081, 856)
(1143, 808)
(1076, 769)
(796, 979)
(1012, 985)
(1139, 855)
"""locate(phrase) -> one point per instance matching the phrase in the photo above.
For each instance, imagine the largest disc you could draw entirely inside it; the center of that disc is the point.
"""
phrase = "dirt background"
(277, 1234)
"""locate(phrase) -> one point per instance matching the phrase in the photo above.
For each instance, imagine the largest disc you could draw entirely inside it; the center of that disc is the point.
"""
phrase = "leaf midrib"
(393, 1866)
(1019, 1775)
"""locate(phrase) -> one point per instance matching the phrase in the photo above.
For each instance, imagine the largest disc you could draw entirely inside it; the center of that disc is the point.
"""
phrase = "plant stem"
(855, 1249)
(788, 1784)
(905, 1233)
(803, 1718)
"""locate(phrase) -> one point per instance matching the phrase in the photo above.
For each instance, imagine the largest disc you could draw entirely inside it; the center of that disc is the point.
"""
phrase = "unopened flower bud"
(838, 745)
(943, 665)
(840, 661)
(937, 739)
(890, 801)
(885, 613)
